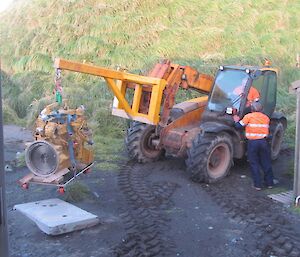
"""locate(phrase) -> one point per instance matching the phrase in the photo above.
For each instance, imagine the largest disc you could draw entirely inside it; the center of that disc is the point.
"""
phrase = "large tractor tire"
(210, 158)
(139, 143)
(277, 139)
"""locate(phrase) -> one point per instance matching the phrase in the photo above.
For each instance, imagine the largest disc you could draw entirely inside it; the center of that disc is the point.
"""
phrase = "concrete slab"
(55, 217)
(286, 198)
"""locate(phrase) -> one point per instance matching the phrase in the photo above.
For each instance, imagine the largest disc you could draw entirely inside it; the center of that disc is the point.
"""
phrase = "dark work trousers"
(259, 156)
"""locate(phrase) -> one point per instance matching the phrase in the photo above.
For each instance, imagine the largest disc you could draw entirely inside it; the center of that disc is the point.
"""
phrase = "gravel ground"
(155, 210)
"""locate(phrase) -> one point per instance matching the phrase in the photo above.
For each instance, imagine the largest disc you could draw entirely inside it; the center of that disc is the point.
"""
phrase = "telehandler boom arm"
(162, 82)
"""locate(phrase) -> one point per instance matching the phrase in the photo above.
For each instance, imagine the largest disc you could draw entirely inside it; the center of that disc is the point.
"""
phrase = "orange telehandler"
(201, 129)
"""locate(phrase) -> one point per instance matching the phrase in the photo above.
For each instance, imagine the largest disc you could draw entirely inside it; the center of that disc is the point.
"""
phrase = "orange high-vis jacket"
(253, 95)
(257, 125)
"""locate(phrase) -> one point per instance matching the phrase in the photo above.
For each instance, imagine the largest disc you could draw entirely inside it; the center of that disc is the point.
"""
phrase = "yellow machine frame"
(118, 82)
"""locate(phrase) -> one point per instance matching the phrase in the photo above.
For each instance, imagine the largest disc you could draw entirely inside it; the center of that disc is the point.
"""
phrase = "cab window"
(266, 84)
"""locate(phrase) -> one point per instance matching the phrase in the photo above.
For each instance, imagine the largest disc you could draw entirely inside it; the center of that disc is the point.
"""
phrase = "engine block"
(62, 140)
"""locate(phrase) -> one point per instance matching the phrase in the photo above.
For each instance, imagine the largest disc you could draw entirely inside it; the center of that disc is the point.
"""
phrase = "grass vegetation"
(76, 192)
(289, 171)
(135, 34)
(296, 210)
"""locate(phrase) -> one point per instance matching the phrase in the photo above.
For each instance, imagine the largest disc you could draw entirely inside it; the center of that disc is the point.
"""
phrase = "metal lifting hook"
(58, 87)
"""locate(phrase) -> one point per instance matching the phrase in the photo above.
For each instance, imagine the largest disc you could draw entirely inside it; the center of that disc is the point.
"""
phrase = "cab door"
(266, 84)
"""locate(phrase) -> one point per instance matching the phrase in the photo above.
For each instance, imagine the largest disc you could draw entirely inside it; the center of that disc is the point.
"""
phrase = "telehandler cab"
(201, 129)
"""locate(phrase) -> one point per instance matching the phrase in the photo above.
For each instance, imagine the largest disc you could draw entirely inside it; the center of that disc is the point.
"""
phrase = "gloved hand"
(236, 118)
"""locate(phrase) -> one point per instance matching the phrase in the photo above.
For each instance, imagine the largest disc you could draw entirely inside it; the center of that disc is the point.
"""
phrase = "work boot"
(257, 188)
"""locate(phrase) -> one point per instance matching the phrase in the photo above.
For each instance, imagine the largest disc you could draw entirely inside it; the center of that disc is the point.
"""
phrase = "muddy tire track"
(145, 220)
(267, 222)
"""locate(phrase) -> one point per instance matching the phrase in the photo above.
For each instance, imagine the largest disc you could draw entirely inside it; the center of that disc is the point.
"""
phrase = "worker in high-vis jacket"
(256, 131)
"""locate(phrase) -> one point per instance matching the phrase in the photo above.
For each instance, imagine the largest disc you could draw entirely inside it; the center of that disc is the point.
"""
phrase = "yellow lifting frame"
(117, 82)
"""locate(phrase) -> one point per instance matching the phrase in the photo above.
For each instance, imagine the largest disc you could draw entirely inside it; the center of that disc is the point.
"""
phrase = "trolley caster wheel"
(61, 190)
(25, 186)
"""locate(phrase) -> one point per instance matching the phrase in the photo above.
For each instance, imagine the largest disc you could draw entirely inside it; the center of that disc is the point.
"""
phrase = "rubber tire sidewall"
(200, 151)
(278, 129)
(136, 134)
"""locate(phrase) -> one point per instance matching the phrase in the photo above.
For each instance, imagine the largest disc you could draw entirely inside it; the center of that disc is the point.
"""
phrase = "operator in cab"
(253, 94)
(258, 151)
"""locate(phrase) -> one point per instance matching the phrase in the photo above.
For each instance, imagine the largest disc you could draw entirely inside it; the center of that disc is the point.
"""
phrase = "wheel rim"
(146, 144)
(218, 161)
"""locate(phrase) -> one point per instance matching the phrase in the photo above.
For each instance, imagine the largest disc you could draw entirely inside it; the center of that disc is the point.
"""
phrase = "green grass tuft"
(9, 116)
(76, 192)
(296, 210)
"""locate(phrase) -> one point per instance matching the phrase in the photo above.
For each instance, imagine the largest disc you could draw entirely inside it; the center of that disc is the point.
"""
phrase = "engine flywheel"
(42, 158)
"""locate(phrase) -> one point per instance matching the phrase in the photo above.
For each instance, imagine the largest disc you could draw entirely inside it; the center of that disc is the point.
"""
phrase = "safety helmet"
(256, 107)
